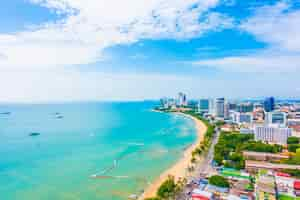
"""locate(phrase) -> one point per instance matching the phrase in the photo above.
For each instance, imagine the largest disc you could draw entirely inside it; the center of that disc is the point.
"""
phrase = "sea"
(88, 150)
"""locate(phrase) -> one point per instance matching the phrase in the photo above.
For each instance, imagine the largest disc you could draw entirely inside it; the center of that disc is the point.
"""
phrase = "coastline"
(178, 170)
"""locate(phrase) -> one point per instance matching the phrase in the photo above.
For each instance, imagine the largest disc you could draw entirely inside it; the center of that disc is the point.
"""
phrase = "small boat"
(5, 113)
(34, 134)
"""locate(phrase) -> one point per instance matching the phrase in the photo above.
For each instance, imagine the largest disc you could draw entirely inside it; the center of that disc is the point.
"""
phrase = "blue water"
(87, 139)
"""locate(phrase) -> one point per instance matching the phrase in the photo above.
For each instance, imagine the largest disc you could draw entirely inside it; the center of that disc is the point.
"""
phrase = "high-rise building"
(245, 107)
(272, 134)
(241, 118)
(269, 104)
(182, 100)
(276, 118)
(219, 107)
(232, 106)
(226, 110)
(203, 105)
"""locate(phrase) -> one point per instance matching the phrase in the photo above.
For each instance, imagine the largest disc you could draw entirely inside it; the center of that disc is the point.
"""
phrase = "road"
(204, 167)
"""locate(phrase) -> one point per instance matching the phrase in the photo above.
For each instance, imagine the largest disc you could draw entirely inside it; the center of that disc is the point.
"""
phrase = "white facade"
(182, 100)
(219, 107)
(272, 134)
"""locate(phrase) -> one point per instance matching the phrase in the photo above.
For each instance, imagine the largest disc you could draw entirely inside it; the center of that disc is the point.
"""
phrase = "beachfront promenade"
(203, 167)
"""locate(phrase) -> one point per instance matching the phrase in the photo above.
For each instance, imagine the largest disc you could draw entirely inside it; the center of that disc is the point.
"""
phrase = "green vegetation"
(262, 147)
(219, 181)
(285, 197)
(236, 161)
(293, 160)
(207, 138)
(292, 172)
(293, 140)
(293, 144)
(220, 123)
(293, 147)
(169, 189)
(228, 147)
(228, 150)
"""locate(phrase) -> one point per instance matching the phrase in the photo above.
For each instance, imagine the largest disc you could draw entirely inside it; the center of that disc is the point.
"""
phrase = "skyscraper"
(245, 107)
(204, 105)
(219, 107)
(182, 100)
(269, 104)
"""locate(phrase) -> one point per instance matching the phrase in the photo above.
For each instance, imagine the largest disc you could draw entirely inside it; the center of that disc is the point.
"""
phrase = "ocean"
(125, 144)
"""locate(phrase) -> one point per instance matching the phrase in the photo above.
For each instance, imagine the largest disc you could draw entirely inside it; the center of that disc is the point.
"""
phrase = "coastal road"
(204, 167)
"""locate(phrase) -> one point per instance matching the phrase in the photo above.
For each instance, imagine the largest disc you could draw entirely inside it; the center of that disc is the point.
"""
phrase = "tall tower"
(269, 104)
(220, 107)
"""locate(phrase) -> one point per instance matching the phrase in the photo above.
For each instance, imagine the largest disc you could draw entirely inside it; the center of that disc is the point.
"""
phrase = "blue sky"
(65, 50)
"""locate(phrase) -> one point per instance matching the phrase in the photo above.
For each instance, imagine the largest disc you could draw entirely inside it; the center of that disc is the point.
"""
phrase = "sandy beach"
(178, 170)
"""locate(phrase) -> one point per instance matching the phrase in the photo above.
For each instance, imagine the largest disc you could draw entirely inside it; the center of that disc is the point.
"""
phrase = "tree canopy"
(219, 181)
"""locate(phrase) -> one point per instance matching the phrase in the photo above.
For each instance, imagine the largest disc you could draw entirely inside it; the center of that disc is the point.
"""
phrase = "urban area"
(251, 149)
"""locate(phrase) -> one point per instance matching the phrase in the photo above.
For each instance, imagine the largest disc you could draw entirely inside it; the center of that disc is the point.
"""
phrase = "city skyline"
(67, 50)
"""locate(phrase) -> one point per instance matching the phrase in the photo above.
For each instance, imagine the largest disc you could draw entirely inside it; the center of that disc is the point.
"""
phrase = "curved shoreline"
(178, 170)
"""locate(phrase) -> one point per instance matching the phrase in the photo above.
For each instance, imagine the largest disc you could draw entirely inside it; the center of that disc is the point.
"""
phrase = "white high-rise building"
(226, 110)
(219, 108)
(272, 134)
(182, 100)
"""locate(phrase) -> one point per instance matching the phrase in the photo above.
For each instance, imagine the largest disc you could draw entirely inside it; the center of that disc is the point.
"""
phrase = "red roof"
(282, 174)
(199, 197)
(297, 185)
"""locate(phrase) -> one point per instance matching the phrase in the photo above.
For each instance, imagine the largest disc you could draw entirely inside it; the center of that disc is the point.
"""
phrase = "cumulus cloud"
(276, 25)
(89, 26)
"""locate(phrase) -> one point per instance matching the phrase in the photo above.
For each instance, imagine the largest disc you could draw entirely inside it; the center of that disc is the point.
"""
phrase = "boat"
(34, 134)
(5, 113)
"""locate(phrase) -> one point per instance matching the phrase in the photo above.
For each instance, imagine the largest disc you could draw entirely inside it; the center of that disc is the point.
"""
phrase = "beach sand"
(179, 169)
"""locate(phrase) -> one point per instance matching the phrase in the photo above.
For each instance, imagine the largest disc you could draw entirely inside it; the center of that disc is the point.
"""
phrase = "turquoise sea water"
(127, 138)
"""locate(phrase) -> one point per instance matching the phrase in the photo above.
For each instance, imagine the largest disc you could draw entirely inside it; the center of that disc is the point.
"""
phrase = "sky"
(81, 50)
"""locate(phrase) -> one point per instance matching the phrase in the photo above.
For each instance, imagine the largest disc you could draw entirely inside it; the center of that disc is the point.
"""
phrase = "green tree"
(168, 189)
(293, 147)
(219, 181)
(293, 140)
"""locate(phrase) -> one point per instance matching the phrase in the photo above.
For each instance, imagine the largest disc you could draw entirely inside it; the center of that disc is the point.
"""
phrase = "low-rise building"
(287, 186)
(265, 187)
(261, 156)
(254, 166)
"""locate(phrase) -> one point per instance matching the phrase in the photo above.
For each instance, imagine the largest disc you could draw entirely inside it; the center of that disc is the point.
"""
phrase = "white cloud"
(93, 25)
(260, 62)
(278, 26)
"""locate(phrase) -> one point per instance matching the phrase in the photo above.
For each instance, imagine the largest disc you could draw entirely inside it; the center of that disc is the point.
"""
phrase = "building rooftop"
(267, 165)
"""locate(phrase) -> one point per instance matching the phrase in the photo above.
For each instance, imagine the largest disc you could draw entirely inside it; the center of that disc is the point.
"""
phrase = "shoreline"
(178, 170)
